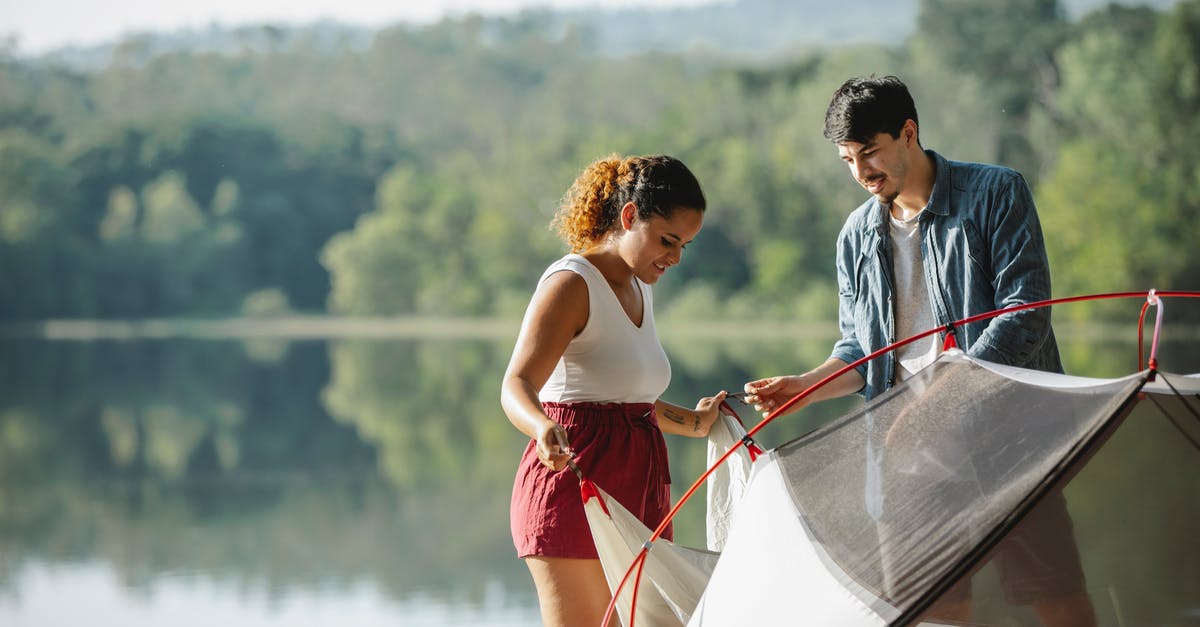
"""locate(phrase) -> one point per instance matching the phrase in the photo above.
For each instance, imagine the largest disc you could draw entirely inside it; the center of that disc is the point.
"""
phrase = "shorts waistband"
(569, 413)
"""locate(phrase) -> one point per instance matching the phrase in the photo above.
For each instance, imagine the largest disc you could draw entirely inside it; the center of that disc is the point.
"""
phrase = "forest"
(414, 172)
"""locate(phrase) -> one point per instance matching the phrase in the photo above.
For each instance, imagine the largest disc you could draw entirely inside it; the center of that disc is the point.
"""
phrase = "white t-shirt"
(612, 360)
(914, 311)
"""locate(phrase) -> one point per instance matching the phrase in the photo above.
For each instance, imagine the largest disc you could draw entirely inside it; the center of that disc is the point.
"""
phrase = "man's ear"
(628, 214)
(910, 132)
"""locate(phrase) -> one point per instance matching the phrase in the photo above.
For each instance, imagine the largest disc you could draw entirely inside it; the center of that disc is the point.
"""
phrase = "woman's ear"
(628, 215)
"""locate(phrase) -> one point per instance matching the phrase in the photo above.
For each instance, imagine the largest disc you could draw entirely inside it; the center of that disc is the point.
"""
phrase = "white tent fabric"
(673, 576)
(777, 587)
(872, 518)
(727, 484)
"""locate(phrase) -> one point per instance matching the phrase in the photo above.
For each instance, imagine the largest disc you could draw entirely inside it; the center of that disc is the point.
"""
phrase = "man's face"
(880, 165)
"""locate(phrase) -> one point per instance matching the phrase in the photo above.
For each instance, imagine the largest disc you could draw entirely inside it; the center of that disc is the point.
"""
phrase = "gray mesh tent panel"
(1135, 510)
(934, 491)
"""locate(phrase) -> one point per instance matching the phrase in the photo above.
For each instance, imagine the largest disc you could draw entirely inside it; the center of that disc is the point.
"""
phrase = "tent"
(933, 495)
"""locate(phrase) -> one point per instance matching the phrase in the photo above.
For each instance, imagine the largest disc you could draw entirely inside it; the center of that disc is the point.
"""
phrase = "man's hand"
(768, 394)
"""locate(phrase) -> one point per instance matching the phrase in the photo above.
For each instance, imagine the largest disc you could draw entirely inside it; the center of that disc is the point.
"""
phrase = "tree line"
(417, 175)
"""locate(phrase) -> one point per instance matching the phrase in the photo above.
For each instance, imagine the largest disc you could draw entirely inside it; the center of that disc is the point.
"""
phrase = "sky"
(39, 26)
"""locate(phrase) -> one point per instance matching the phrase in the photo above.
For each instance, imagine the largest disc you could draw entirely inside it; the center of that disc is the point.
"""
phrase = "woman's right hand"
(553, 449)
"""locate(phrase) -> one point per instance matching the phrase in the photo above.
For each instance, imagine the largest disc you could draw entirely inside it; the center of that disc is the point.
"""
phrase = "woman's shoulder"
(571, 262)
(562, 296)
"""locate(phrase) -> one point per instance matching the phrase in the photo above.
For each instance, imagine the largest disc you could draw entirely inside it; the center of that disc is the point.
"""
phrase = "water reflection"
(179, 481)
(183, 601)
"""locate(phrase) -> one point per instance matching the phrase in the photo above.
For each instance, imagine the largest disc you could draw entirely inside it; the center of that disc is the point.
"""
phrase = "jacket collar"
(939, 198)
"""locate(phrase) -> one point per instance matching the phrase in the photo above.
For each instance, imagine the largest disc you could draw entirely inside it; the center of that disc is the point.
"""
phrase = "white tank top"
(611, 360)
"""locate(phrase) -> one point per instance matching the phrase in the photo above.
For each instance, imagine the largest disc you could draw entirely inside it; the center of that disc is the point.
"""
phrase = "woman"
(587, 371)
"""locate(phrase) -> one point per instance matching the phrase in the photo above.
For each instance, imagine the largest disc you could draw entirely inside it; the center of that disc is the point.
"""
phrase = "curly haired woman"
(588, 370)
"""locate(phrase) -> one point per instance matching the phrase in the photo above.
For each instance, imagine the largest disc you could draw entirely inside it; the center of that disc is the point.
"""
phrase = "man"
(938, 241)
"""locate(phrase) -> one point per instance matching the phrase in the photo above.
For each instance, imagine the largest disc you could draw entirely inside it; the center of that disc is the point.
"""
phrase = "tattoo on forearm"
(674, 417)
(682, 420)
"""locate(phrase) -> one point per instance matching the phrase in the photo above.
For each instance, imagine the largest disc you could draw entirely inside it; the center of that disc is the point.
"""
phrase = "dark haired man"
(938, 241)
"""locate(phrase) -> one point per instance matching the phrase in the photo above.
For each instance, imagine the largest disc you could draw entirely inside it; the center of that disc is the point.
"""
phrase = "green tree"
(1118, 202)
(1009, 45)
(1176, 80)
(37, 242)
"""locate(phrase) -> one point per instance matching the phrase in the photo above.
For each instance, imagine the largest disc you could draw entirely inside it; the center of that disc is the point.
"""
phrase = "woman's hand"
(708, 409)
(552, 447)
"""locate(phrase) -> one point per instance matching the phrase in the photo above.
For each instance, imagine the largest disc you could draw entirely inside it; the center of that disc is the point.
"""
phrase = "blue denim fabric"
(982, 248)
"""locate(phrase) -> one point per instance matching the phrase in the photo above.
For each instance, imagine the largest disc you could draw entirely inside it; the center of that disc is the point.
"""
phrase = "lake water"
(307, 482)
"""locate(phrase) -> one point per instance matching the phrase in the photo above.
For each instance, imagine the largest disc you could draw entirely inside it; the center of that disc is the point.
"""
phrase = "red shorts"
(620, 448)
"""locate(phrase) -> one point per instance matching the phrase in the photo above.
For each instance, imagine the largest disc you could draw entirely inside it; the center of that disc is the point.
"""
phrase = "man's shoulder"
(966, 175)
(862, 217)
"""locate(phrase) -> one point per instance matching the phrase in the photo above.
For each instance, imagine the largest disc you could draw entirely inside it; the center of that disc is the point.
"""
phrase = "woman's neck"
(611, 265)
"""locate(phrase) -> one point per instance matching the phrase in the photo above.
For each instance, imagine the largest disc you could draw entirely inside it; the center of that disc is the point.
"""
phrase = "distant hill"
(748, 27)
(1076, 8)
(213, 38)
(755, 28)
(769, 27)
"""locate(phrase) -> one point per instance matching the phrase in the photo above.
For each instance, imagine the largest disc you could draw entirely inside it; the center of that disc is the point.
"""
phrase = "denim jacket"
(982, 249)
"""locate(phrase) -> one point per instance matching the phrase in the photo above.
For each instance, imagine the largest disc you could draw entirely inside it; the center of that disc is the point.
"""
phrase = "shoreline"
(300, 327)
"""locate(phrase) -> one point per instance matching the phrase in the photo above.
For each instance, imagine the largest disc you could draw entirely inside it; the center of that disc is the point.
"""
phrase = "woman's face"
(652, 245)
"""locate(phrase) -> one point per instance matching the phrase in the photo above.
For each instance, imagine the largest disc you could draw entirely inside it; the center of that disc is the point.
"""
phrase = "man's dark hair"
(864, 107)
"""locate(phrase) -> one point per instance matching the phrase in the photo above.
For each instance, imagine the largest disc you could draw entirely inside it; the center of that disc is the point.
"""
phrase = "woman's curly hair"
(656, 184)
